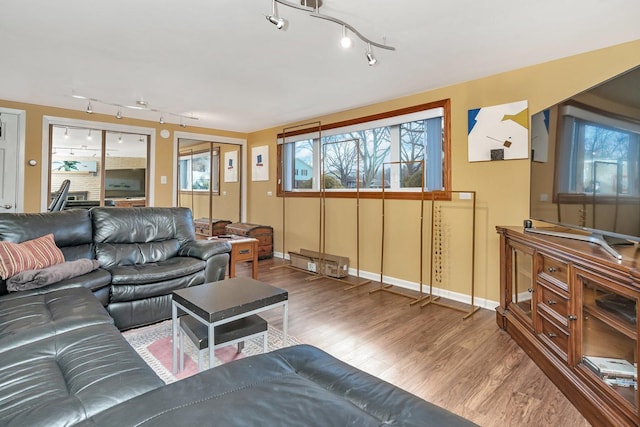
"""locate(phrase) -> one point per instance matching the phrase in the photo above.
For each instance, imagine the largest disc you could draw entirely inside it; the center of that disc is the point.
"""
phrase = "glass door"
(76, 155)
(609, 336)
(522, 281)
(105, 168)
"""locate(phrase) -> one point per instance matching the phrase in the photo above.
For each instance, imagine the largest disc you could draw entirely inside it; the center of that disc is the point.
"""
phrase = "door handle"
(7, 206)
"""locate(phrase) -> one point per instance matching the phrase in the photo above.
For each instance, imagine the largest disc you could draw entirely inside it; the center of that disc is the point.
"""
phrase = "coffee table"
(221, 302)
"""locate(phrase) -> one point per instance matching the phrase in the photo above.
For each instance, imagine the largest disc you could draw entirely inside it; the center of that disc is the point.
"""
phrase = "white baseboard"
(443, 293)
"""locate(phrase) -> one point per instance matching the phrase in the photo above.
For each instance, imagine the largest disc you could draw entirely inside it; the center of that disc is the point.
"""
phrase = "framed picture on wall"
(499, 132)
(231, 166)
(260, 163)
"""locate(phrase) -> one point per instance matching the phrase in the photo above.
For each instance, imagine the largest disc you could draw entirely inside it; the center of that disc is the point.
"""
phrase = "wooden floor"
(469, 367)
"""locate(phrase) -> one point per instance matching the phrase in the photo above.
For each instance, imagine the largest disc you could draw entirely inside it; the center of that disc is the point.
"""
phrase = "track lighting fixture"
(370, 58)
(89, 136)
(313, 7)
(66, 133)
(139, 105)
(345, 41)
(120, 139)
(274, 18)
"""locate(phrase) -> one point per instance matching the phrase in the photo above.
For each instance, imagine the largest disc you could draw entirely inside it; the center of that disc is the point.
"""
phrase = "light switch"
(163, 179)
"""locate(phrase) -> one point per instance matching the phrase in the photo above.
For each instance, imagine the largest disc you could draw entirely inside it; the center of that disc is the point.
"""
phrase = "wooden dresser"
(573, 308)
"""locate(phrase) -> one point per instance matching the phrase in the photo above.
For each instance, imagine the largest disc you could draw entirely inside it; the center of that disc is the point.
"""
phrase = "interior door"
(8, 162)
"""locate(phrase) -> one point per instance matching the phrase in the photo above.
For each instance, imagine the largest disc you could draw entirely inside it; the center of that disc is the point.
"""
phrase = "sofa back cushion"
(72, 230)
(129, 236)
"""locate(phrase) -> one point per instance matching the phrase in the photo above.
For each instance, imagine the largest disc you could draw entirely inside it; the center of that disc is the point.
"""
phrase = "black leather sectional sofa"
(144, 254)
(63, 362)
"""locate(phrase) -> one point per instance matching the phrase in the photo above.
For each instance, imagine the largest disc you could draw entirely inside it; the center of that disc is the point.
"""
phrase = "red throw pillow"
(30, 255)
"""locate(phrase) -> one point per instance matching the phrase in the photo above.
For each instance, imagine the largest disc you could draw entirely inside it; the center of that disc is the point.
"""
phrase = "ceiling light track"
(140, 105)
(312, 7)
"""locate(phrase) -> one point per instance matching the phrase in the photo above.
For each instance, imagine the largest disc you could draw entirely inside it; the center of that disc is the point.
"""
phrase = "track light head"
(278, 22)
(89, 136)
(370, 58)
(161, 120)
(119, 114)
(274, 18)
(66, 133)
(89, 108)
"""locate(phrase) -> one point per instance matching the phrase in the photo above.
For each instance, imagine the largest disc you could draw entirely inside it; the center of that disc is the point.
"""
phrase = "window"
(603, 154)
(198, 169)
(399, 152)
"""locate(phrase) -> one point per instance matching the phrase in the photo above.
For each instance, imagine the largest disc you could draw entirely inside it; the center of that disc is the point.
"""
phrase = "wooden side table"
(243, 249)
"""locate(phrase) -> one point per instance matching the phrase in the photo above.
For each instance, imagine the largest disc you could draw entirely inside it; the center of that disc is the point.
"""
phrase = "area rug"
(154, 344)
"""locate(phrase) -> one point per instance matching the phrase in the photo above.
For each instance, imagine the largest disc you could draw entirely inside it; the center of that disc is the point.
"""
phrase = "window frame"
(214, 170)
(443, 194)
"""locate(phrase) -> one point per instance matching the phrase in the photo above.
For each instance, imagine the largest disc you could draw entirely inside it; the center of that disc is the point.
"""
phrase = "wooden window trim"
(445, 194)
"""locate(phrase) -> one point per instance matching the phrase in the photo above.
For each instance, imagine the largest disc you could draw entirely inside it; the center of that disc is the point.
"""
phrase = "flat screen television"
(585, 165)
(124, 183)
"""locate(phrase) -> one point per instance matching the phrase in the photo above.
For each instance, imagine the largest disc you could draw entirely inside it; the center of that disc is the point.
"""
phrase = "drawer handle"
(552, 269)
(552, 335)
(530, 290)
(572, 317)
(551, 302)
(244, 251)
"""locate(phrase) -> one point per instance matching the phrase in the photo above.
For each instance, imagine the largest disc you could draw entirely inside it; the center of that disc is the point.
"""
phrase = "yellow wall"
(164, 147)
(502, 187)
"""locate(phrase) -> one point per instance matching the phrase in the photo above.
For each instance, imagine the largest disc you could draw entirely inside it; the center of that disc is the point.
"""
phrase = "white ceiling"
(221, 61)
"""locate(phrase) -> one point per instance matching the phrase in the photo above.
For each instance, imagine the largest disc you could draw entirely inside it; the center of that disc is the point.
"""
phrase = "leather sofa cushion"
(141, 274)
(97, 279)
(69, 228)
(142, 225)
(140, 289)
(294, 386)
(41, 313)
(70, 377)
(131, 314)
(110, 254)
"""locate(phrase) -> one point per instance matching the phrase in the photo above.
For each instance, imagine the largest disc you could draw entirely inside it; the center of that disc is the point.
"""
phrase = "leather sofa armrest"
(204, 249)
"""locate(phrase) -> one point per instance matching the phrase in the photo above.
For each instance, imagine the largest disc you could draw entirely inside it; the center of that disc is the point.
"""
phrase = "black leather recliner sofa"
(144, 254)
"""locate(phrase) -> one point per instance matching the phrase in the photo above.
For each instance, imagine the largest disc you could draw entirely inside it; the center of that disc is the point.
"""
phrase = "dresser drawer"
(555, 337)
(552, 300)
(555, 270)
